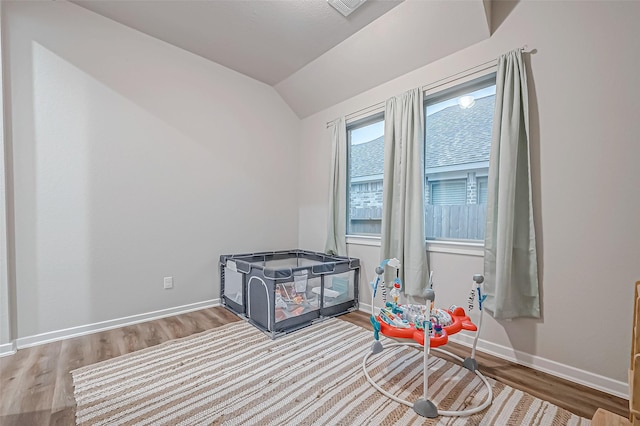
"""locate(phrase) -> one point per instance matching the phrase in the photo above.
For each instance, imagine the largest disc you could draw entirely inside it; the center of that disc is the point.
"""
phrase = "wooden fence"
(365, 221)
(458, 222)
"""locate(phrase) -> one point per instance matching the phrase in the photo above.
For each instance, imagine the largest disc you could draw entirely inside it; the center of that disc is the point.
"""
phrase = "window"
(458, 124)
(448, 192)
(482, 190)
(359, 187)
(365, 163)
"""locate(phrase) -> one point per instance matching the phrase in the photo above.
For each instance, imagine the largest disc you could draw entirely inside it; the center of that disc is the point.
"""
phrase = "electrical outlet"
(168, 282)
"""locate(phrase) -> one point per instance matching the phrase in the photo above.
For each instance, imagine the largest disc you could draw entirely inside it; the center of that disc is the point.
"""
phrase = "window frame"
(354, 125)
(440, 94)
(459, 82)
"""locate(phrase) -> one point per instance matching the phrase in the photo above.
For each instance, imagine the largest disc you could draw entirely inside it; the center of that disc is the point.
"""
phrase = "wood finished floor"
(36, 387)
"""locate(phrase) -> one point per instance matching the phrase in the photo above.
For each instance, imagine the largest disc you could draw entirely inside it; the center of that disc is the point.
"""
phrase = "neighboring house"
(458, 143)
(366, 165)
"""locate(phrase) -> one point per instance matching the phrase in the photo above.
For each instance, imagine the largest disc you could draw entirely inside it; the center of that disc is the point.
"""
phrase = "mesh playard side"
(281, 291)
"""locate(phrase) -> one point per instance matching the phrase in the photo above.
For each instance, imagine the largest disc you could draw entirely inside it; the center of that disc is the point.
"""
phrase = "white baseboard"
(364, 307)
(576, 375)
(53, 336)
(8, 349)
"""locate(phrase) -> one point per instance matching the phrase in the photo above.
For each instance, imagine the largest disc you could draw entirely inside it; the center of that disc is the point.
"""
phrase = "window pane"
(366, 167)
(457, 148)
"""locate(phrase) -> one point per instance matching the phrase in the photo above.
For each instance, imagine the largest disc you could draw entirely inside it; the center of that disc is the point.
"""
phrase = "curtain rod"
(433, 85)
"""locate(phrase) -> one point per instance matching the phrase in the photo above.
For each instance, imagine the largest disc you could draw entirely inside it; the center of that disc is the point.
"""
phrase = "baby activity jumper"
(423, 326)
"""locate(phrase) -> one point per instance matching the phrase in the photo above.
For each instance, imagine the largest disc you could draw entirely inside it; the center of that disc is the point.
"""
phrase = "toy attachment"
(470, 363)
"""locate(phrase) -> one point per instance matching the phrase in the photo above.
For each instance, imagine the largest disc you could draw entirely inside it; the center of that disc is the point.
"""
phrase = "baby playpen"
(281, 291)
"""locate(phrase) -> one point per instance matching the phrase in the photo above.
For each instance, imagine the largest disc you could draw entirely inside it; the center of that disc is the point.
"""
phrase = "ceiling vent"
(346, 6)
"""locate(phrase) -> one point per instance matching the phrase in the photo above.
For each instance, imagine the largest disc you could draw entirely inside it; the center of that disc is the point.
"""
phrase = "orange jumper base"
(460, 322)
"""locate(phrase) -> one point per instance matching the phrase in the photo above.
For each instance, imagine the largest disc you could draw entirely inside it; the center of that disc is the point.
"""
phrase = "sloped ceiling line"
(313, 56)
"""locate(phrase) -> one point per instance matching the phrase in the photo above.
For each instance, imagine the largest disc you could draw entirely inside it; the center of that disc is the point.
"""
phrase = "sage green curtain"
(403, 190)
(337, 222)
(510, 259)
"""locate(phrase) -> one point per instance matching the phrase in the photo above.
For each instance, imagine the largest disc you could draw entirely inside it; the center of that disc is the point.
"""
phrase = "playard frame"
(326, 286)
(419, 326)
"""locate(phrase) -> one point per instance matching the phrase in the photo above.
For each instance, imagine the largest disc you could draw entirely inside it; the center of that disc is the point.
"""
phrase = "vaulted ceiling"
(311, 54)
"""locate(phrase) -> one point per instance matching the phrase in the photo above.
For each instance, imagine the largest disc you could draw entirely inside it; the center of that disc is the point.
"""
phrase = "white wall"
(6, 335)
(583, 84)
(134, 160)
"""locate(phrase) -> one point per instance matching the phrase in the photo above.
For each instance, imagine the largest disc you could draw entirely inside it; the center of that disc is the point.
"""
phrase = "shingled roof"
(367, 158)
(448, 143)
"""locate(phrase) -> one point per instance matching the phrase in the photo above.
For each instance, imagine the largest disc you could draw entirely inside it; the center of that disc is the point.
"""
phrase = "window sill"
(451, 247)
(456, 247)
(363, 240)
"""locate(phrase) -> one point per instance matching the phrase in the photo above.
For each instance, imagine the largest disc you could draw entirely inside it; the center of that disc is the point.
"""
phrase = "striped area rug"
(235, 375)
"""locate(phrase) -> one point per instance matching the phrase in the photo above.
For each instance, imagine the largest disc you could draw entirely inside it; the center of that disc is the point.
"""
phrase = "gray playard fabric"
(281, 291)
